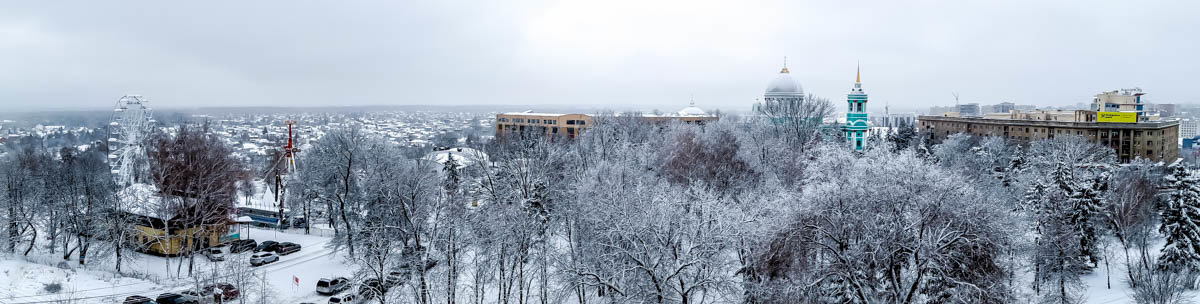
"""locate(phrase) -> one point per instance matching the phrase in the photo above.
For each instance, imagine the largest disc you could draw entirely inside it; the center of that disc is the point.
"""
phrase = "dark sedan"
(267, 246)
(137, 300)
(287, 248)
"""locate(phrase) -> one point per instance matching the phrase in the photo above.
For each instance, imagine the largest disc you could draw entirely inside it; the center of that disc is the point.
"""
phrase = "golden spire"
(784, 70)
(858, 73)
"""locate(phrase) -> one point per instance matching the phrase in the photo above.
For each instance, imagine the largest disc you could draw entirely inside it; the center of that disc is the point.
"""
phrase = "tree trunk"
(349, 233)
(31, 240)
(83, 247)
(1128, 269)
(117, 249)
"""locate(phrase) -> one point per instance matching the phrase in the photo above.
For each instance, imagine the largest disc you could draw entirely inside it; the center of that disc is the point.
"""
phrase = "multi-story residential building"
(969, 110)
(570, 125)
(1153, 140)
(567, 125)
(894, 120)
(1189, 128)
(1004, 107)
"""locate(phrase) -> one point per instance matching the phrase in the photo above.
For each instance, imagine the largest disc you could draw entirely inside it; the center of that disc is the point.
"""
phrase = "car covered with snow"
(216, 253)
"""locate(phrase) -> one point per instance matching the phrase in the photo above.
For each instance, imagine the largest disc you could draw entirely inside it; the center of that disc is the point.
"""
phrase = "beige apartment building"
(567, 125)
(1153, 140)
(570, 125)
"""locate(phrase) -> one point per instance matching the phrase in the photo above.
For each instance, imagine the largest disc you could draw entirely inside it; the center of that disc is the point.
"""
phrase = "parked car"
(228, 292)
(261, 258)
(199, 296)
(238, 246)
(343, 299)
(137, 300)
(287, 248)
(299, 222)
(267, 246)
(332, 286)
(371, 288)
(215, 253)
(174, 298)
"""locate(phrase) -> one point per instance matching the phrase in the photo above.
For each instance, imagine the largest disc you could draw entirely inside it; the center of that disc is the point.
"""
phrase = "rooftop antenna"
(693, 102)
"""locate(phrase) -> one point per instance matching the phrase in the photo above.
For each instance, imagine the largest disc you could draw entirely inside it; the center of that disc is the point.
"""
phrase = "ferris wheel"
(131, 125)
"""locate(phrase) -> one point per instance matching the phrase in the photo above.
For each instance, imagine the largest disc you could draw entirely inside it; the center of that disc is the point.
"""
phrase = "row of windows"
(547, 121)
(533, 121)
(552, 130)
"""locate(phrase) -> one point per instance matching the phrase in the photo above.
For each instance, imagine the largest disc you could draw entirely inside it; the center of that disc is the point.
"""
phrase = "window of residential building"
(570, 121)
(518, 120)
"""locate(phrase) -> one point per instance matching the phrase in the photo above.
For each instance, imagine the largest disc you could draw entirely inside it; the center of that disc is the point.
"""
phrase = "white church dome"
(784, 84)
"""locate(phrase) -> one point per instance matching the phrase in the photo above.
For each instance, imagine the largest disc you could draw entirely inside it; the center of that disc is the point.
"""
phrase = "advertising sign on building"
(1127, 117)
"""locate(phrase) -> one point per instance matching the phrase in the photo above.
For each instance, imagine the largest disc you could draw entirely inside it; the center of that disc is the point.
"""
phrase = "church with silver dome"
(784, 91)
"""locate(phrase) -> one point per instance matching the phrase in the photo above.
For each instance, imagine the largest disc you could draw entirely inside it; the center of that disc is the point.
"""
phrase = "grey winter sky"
(86, 54)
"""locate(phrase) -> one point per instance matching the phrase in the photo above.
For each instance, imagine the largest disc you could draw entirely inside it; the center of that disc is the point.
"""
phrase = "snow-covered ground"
(26, 278)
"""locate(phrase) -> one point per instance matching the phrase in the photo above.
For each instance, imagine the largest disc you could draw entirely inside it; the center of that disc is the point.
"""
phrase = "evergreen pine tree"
(1015, 167)
(1180, 209)
(1086, 203)
(452, 179)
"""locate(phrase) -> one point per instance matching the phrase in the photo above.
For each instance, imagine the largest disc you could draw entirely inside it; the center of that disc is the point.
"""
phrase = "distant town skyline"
(653, 54)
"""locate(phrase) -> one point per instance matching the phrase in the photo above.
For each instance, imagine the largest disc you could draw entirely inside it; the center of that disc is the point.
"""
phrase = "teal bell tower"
(856, 115)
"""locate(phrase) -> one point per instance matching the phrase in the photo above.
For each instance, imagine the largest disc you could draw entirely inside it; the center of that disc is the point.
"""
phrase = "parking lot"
(291, 279)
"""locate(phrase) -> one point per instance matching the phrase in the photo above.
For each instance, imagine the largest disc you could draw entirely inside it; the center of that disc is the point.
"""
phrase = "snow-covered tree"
(1180, 207)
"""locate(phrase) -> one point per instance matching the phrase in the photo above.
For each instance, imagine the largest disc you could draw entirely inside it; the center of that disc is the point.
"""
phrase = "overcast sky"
(86, 54)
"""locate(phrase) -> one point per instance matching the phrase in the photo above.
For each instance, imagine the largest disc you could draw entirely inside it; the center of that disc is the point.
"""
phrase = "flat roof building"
(1127, 100)
(570, 125)
(1153, 140)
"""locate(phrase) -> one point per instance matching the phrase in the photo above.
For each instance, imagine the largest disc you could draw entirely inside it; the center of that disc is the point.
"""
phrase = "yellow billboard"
(1130, 117)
